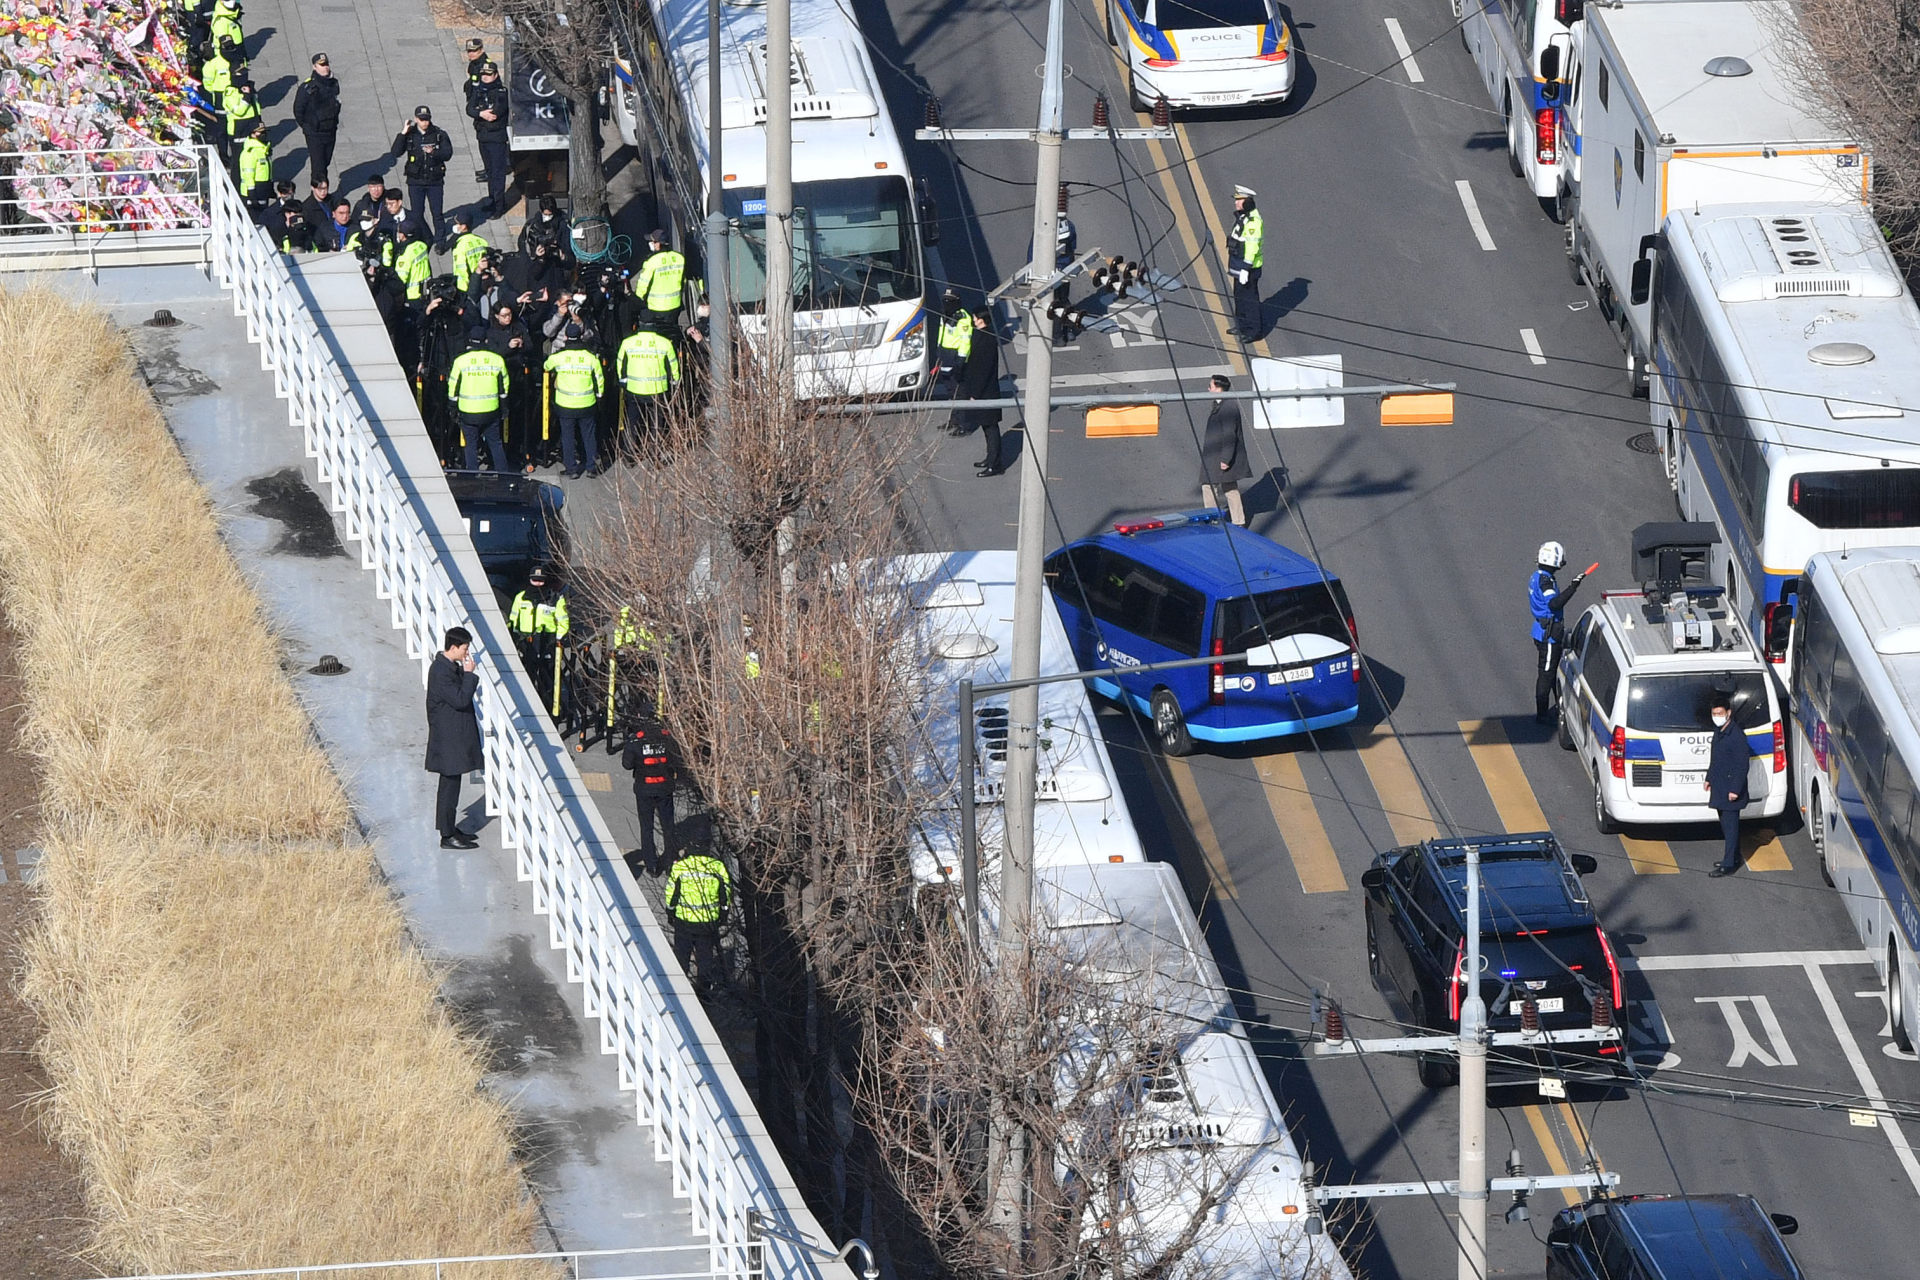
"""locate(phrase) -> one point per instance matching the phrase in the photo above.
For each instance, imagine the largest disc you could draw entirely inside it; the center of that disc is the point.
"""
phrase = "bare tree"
(1863, 56)
(571, 41)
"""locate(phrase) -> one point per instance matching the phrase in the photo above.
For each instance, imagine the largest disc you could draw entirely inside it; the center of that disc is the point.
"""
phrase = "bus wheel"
(1817, 822)
(1169, 725)
(1897, 1001)
(1513, 142)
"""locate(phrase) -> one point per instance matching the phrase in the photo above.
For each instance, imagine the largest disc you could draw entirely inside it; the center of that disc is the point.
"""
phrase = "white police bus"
(1786, 396)
(1856, 688)
(860, 224)
(1525, 52)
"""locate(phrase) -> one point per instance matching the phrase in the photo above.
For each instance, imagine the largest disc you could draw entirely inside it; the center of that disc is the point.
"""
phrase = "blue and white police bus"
(1856, 695)
(1525, 53)
(861, 225)
(1786, 395)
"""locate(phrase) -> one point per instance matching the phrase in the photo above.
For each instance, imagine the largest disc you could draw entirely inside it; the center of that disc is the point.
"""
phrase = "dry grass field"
(249, 1064)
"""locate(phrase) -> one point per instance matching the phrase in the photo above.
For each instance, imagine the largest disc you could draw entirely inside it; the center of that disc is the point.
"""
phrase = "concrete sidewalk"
(590, 1162)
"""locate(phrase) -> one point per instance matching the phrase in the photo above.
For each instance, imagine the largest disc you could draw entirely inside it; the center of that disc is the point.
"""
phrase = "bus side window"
(1177, 624)
(1814, 641)
(1603, 86)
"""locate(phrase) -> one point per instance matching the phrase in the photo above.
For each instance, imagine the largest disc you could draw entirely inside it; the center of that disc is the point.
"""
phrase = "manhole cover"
(1643, 443)
(327, 666)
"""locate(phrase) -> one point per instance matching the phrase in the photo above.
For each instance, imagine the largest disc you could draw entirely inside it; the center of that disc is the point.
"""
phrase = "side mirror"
(1550, 63)
(1642, 284)
(1585, 864)
(929, 214)
(1373, 878)
(1785, 1223)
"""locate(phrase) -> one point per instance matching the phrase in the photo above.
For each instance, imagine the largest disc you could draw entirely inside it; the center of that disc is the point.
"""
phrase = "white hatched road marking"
(1745, 960)
(1531, 341)
(1405, 50)
(1474, 219)
(1868, 1085)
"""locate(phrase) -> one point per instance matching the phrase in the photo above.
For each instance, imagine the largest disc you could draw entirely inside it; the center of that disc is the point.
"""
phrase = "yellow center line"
(1314, 860)
(1583, 1142)
(1500, 769)
(1394, 781)
(1763, 850)
(1650, 857)
(1214, 299)
(1202, 827)
(1550, 1147)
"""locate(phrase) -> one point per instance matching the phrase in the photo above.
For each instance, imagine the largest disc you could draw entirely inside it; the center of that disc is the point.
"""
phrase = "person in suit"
(1727, 782)
(1223, 457)
(453, 732)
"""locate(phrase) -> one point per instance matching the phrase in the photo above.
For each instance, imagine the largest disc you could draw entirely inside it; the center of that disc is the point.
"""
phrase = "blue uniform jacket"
(1545, 600)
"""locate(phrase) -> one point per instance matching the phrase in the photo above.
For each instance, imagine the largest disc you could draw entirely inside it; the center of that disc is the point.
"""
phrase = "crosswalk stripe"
(1285, 788)
(1500, 769)
(1392, 776)
(1202, 825)
(1763, 850)
(1650, 857)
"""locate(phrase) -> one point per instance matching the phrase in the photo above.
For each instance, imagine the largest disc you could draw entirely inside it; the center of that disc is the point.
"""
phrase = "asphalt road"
(1750, 996)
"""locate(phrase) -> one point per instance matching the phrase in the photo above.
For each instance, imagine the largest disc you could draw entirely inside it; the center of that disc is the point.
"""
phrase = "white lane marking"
(1405, 50)
(1745, 960)
(1198, 373)
(1472, 207)
(1531, 341)
(1868, 1085)
(1744, 1045)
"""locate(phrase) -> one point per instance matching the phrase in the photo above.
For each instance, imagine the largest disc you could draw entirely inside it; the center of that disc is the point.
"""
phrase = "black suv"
(514, 522)
(1670, 1238)
(1539, 940)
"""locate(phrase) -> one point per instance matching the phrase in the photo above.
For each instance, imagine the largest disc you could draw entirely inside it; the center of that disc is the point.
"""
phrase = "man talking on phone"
(453, 732)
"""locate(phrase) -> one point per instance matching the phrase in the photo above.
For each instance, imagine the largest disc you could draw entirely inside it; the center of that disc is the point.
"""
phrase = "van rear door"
(1213, 30)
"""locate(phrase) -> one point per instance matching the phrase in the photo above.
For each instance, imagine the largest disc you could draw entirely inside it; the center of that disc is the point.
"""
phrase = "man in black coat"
(374, 201)
(980, 380)
(1223, 456)
(316, 109)
(427, 149)
(487, 105)
(1727, 782)
(453, 732)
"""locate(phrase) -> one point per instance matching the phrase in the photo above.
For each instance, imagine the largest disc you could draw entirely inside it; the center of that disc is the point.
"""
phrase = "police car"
(1203, 53)
(1637, 681)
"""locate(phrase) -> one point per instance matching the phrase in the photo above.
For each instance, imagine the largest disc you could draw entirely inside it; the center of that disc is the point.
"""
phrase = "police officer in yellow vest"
(468, 249)
(1245, 254)
(955, 342)
(255, 168)
(538, 618)
(658, 286)
(224, 31)
(411, 261)
(578, 383)
(648, 369)
(698, 891)
(216, 77)
(477, 386)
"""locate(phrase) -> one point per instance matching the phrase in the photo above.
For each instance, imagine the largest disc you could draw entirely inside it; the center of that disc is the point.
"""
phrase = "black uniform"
(649, 754)
(980, 380)
(492, 137)
(316, 109)
(1727, 788)
(427, 152)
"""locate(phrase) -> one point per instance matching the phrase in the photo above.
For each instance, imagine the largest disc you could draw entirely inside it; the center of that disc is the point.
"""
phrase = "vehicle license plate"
(1686, 779)
(1293, 675)
(1220, 99)
(1552, 1004)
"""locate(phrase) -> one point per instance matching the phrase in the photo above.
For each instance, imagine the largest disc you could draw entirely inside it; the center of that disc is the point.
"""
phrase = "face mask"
(1719, 720)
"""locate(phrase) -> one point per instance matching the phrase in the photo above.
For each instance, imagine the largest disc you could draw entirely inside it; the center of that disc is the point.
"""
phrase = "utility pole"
(779, 88)
(719, 255)
(1473, 1093)
(1029, 586)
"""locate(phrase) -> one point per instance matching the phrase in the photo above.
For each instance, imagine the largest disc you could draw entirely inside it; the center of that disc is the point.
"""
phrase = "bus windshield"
(852, 244)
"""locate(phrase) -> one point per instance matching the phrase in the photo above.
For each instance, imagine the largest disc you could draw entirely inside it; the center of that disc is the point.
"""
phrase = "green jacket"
(647, 364)
(414, 269)
(477, 382)
(698, 889)
(1246, 240)
(660, 280)
(578, 379)
(467, 251)
(256, 165)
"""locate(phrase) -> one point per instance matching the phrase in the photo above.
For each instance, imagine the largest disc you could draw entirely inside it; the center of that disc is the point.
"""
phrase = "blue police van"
(1190, 584)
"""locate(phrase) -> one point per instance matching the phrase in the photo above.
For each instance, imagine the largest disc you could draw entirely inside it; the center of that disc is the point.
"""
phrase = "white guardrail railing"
(741, 1196)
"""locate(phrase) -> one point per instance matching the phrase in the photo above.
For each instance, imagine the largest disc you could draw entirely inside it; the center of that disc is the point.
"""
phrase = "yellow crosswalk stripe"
(1763, 850)
(1500, 769)
(1285, 788)
(1392, 776)
(1197, 818)
(1650, 857)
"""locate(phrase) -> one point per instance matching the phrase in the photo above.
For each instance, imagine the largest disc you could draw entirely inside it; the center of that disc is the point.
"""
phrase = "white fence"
(659, 1262)
(703, 1124)
(99, 208)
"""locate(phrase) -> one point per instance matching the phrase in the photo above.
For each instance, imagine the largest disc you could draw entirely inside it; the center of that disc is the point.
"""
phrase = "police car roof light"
(1139, 526)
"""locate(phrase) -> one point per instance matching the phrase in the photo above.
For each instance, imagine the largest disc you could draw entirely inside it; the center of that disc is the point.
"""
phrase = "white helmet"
(1552, 555)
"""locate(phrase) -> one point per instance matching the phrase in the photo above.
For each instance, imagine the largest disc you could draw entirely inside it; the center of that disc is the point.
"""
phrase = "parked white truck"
(1682, 105)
